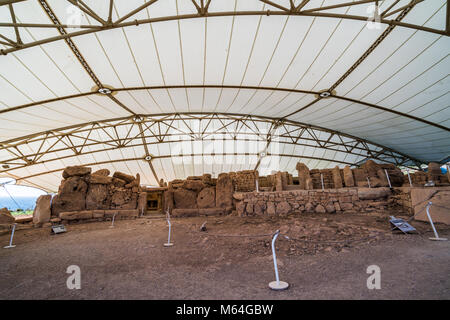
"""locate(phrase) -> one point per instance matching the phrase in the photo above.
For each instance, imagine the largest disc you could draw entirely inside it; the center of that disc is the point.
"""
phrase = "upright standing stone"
(337, 180)
(42, 211)
(303, 176)
(224, 191)
(383, 178)
(348, 177)
(142, 203)
(279, 181)
(434, 172)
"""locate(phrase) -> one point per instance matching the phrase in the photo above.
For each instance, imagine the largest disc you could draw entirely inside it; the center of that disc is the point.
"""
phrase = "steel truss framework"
(145, 130)
(202, 7)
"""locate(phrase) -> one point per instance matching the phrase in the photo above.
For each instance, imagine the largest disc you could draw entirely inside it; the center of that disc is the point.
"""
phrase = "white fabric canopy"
(219, 61)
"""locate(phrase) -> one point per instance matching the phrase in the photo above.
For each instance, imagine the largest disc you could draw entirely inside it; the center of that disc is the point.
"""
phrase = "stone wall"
(281, 203)
(88, 195)
(414, 200)
(244, 181)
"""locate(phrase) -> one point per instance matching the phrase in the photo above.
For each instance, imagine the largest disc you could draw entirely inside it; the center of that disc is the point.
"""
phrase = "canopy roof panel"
(109, 83)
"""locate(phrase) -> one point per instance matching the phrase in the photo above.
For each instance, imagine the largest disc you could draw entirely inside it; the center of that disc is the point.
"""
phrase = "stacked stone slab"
(86, 195)
(6, 217)
(281, 203)
(244, 181)
(200, 195)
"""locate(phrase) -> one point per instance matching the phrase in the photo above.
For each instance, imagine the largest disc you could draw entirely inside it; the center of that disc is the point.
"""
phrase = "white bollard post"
(389, 180)
(257, 185)
(11, 239)
(368, 182)
(409, 178)
(168, 244)
(321, 180)
(277, 285)
(112, 223)
(436, 238)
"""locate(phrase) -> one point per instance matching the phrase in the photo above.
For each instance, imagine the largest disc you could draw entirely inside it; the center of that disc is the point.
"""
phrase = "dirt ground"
(326, 257)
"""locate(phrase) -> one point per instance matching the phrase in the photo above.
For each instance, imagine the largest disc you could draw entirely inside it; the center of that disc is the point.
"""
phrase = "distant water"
(24, 203)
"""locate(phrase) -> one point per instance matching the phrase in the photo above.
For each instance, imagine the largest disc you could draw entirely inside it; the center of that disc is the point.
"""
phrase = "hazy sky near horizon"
(17, 191)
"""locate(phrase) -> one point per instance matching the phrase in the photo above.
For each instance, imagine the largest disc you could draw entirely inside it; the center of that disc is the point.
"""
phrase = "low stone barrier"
(320, 201)
(99, 214)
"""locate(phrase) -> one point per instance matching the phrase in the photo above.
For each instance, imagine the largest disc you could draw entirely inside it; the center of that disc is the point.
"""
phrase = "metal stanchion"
(321, 180)
(387, 176)
(12, 236)
(368, 181)
(257, 185)
(168, 244)
(277, 285)
(409, 178)
(436, 238)
(112, 223)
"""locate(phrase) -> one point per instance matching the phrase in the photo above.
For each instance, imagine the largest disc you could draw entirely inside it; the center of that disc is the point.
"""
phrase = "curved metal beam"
(77, 131)
(370, 105)
(91, 29)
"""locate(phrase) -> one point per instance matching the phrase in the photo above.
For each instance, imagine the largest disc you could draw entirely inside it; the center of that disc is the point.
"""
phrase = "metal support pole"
(409, 178)
(257, 184)
(168, 244)
(11, 239)
(387, 176)
(321, 180)
(277, 285)
(436, 238)
(112, 223)
(368, 181)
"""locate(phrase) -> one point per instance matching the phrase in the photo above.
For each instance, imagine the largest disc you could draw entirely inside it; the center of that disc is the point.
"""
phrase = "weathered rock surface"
(283, 208)
(75, 171)
(42, 210)
(135, 183)
(124, 199)
(100, 179)
(224, 191)
(348, 177)
(320, 209)
(185, 199)
(194, 185)
(72, 196)
(303, 176)
(118, 183)
(373, 193)
(337, 180)
(207, 198)
(123, 176)
(101, 172)
(76, 215)
(6, 217)
(142, 203)
(97, 197)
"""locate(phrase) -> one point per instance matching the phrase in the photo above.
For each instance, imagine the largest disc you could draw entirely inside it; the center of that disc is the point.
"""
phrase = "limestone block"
(348, 177)
(373, 193)
(207, 198)
(101, 172)
(97, 197)
(283, 208)
(186, 199)
(75, 171)
(224, 191)
(337, 180)
(42, 210)
(6, 217)
(123, 176)
(76, 215)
